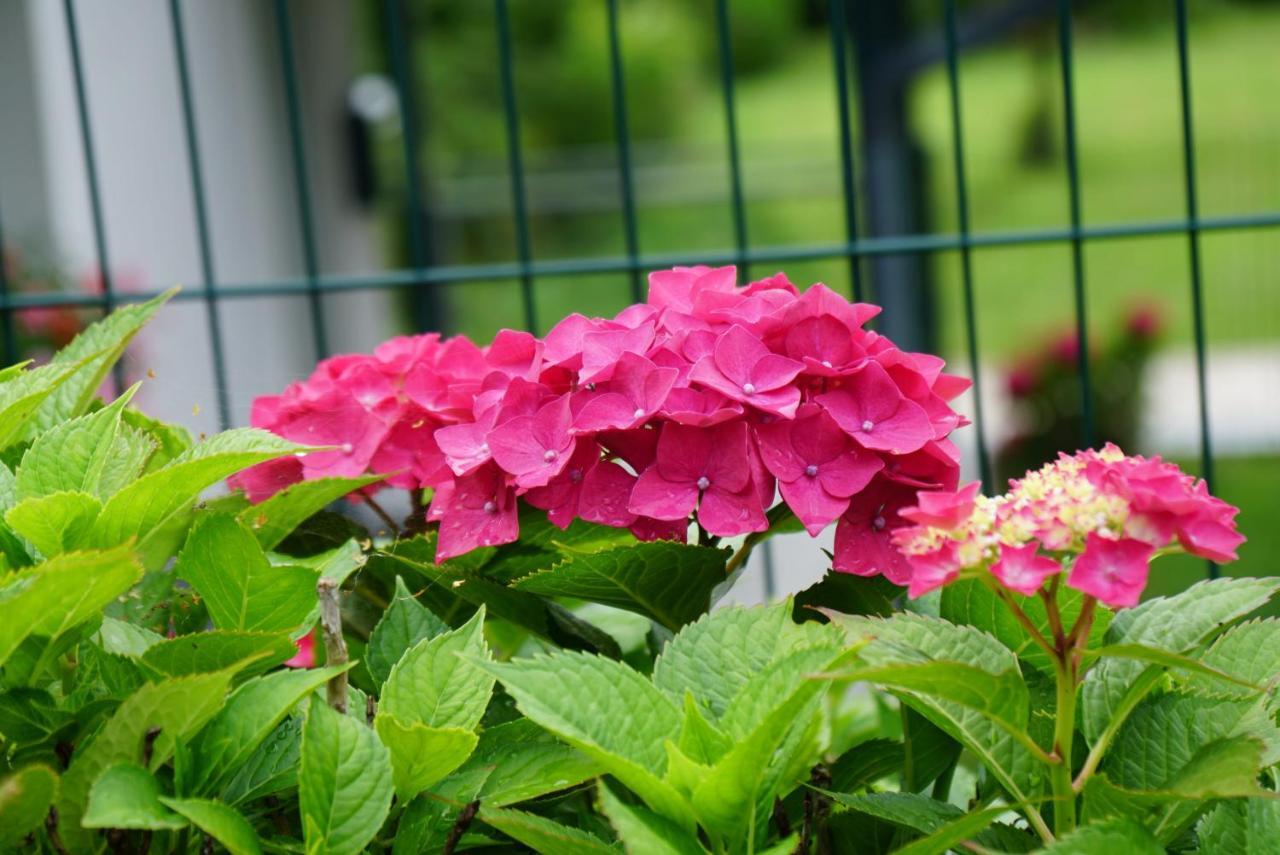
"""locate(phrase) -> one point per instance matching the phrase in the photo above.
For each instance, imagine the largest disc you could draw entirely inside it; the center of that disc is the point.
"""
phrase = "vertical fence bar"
(402, 66)
(962, 224)
(1077, 243)
(725, 42)
(621, 128)
(1193, 248)
(6, 311)
(202, 219)
(515, 158)
(310, 259)
(839, 58)
(91, 171)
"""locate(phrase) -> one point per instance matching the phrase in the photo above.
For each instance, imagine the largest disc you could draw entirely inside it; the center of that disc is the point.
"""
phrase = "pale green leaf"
(170, 440)
(25, 797)
(126, 639)
(52, 597)
(422, 755)
(1176, 624)
(242, 590)
(22, 395)
(344, 782)
(175, 708)
(439, 682)
(127, 796)
(718, 654)
(543, 835)
(670, 583)
(224, 824)
(72, 456)
(201, 652)
(94, 351)
(55, 523)
(143, 508)
(272, 520)
(523, 761)
(252, 712)
(405, 623)
(643, 832)
(1120, 836)
(130, 453)
(606, 710)
(1242, 825)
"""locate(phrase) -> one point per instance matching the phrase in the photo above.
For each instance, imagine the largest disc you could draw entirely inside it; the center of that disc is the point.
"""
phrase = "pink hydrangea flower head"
(679, 287)
(1113, 571)
(602, 349)
(703, 468)
(481, 511)
(632, 396)
(1023, 569)
(817, 466)
(872, 409)
(742, 368)
(535, 448)
(864, 535)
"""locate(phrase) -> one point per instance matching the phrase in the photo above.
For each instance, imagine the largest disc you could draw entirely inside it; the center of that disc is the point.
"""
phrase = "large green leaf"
(271, 768)
(174, 708)
(52, 597)
(440, 681)
(670, 583)
(21, 396)
(943, 825)
(543, 835)
(25, 797)
(402, 625)
(999, 743)
(72, 456)
(272, 520)
(1176, 624)
(643, 832)
(131, 452)
(55, 523)
(1121, 836)
(170, 439)
(1242, 825)
(93, 352)
(251, 714)
(242, 590)
(606, 710)
(224, 824)
(1249, 652)
(344, 782)
(422, 755)
(127, 796)
(718, 654)
(201, 652)
(144, 508)
(30, 715)
(523, 761)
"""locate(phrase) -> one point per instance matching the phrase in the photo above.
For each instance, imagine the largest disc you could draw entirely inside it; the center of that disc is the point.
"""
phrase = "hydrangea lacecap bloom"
(702, 403)
(1099, 515)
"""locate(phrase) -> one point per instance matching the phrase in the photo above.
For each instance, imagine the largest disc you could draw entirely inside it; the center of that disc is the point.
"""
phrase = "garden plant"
(533, 660)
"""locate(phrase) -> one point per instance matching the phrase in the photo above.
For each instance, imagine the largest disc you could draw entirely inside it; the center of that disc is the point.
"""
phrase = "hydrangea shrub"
(187, 671)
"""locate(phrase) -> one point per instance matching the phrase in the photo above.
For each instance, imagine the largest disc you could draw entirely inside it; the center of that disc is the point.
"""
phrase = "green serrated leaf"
(21, 398)
(174, 708)
(1165, 659)
(422, 755)
(718, 654)
(242, 590)
(93, 352)
(170, 440)
(52, 597)
(405, 623)
(1249, 652)
(144, 508)
(127, 796)
(1113, 835)
(522, 761)
(670, 583)
(607, 711)
(440, 681)
(543, 835)
(643, 832)
(25, 798)
(344, 782)
(1176, 624)
(224, 824)
(271, 768)
(272, 520)
(251, 714)
(202, 652)
(126, 639)
(1241, 825)
(130, 453)
(73, 455)
(30, 715)
(55, 523)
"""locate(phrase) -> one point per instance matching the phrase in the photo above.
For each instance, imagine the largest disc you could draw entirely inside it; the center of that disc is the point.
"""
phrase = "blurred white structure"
(136, 119)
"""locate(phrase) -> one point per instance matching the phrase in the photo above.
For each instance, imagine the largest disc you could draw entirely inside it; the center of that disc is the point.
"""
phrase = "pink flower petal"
(1113, 571)
(1022, 568)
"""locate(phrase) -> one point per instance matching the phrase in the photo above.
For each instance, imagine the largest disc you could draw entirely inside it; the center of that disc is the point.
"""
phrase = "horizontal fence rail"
(526, 270)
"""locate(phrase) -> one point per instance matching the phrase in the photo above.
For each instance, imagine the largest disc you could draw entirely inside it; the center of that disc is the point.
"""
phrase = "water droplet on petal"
(550, 454)
(867, 426)
(826, 363)
(748, 389)
(347, 448)
(490, 507)
(638, 414)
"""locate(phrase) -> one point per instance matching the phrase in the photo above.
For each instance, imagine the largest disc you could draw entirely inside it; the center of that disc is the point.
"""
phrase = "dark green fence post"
(515, 159)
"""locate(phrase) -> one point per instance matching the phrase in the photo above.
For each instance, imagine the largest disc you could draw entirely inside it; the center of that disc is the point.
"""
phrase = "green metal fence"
(526, 270)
